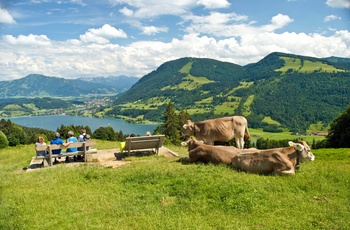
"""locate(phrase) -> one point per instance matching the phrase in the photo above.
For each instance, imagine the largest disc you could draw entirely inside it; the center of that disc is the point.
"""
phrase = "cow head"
(191, 143)
(188, 128)
(304, 151)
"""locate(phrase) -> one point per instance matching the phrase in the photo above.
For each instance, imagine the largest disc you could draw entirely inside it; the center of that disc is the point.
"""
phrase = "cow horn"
(185, 126)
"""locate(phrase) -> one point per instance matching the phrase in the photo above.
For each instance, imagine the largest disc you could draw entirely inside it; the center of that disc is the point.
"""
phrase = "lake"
(52, 122)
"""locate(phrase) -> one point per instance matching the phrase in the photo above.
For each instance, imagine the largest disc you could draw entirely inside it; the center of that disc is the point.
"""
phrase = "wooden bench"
(87, 154)
(144, 143)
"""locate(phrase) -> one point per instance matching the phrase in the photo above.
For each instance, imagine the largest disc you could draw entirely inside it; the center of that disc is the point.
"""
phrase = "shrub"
(17, 136)
(105, 133)
(3, 140)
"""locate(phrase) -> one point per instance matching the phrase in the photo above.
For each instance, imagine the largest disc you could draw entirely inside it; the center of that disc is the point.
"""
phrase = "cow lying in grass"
(200, 152)
(279, 161)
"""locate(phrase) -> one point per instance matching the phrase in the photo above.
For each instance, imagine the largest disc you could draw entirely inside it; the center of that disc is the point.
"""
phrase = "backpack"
(87, 137)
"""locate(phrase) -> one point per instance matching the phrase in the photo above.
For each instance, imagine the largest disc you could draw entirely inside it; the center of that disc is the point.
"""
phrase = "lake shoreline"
(53, 122)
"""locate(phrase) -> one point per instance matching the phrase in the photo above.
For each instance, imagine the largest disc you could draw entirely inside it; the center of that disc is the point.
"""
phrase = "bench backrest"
(41, 148)
(72, 145)
(144, 142)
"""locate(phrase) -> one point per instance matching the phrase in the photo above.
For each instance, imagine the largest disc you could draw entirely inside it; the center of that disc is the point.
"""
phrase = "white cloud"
(154, 8)
(79, 2)
(331, 18)
(74, 58)
(278, 22)
(6, 17)
(338, 3)
(103, 34)
(152, 30)
(30, 40)
(214, 4)
(127, 12)
(227, 25)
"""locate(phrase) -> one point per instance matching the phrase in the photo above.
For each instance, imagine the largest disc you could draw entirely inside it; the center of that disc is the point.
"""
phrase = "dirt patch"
(108, 158)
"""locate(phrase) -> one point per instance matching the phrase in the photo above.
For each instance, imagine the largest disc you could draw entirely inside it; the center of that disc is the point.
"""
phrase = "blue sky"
(88, 38)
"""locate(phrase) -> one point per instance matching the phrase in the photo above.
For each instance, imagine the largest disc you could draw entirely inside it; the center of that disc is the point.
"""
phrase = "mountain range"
(36, 85)
(280, 91)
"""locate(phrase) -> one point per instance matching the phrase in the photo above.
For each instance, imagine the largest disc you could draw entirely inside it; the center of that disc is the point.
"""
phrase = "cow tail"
(246, 133)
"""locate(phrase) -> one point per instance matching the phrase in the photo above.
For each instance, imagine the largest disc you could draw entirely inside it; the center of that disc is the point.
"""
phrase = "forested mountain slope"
(119, 83)
(36, 85)
(289, 90)
(180, 79)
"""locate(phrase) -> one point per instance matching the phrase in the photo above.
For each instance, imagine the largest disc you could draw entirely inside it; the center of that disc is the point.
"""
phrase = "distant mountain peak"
(37, 85)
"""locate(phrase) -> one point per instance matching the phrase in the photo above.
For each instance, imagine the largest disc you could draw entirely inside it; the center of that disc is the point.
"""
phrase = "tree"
(105, 133)
(17, 136)
(3, 140)
(182, 118)
(14, 133)
(339, 131)
(120, 136)
(171, 124)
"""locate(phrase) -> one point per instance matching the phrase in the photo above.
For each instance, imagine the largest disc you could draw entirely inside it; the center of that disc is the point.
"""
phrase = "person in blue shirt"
(71, 139)
(58, 141)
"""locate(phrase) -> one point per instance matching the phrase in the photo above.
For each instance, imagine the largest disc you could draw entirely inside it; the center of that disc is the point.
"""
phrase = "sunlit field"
(157, 192)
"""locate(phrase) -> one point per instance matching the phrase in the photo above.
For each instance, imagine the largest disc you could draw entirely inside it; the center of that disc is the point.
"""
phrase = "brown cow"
(200, 152)
(220, 129)
(280, 161)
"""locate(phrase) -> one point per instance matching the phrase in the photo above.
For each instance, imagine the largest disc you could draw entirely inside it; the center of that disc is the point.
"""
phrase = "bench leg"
(46, 162)
(88, 157)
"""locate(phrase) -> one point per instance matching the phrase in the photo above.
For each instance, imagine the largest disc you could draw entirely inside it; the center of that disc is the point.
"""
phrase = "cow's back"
(252, 163)
(213, 154)
(269, 161)
(220, 129)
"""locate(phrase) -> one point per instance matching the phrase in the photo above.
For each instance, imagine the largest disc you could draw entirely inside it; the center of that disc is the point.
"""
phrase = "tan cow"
(280, 161)
(220, 129)
(200, 152)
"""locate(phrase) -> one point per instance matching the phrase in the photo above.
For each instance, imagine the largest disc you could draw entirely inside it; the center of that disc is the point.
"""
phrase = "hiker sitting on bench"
(58, 141)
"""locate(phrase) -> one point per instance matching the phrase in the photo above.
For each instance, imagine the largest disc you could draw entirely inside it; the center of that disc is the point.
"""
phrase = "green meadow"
(307, 66)
(258, 133)
(156, 192)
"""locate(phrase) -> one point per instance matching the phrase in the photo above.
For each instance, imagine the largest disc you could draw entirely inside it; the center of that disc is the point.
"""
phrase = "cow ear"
(298, 147)
(290, 143)
(184, 143)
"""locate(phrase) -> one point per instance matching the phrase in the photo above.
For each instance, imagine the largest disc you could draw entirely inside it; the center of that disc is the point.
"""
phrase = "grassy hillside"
(162, 193)
(301, 66)
(295, 92)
